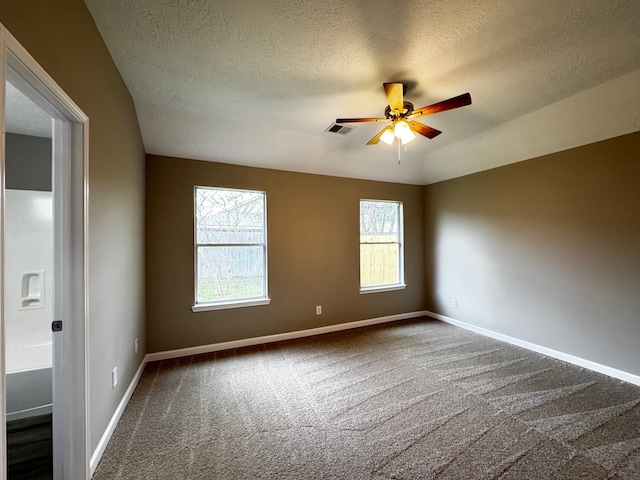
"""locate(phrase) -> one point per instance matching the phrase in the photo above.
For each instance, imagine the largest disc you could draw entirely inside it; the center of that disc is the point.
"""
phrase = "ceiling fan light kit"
(388, 135)
(401, 115)
(403, 132)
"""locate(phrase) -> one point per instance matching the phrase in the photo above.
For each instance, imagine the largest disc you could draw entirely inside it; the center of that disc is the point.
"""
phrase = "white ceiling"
(23, 116)
(256, 82)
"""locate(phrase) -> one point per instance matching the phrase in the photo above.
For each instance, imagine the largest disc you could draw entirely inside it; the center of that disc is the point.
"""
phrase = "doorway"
(28, 287)
(43, 202)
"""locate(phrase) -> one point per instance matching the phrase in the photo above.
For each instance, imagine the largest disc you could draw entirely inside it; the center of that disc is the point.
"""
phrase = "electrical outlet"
(114, 377)
(318, 309)
(454, 303)
(135, 346)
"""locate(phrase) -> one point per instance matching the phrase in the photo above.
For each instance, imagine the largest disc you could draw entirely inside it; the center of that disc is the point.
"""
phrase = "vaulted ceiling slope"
(257, 82)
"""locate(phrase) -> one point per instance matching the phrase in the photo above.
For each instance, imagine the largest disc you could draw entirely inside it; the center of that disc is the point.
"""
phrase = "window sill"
(383, 288)
(205, 307)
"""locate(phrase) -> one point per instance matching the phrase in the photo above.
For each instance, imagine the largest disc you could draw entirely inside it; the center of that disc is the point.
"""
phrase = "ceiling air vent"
(337, 128)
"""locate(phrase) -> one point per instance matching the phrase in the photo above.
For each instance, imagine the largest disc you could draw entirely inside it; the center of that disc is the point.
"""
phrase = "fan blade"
(455, 102)
(358, 120)
(376, 139)
(394, 95)
(424, 130)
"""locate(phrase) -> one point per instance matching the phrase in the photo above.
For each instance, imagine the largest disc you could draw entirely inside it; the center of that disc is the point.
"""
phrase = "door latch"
(57, 326)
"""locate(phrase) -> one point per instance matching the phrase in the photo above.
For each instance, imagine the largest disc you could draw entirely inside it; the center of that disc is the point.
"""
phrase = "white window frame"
(234, 303)
(387, 287)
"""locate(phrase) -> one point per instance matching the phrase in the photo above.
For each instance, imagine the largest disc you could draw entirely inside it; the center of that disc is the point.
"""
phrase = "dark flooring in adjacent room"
(29, 448)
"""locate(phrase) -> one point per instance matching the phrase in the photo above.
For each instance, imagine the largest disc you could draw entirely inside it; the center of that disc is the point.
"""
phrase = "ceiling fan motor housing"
(406, 110)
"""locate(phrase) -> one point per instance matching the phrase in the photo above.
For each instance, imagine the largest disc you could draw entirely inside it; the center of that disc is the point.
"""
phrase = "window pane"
(379, 264)
(378, 221)
(229, 216)
(380, 243)
(230, 273)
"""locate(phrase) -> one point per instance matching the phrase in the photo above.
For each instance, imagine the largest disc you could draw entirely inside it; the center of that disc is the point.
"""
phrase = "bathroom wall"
(28, 275)
(29, 393)
(28, 164)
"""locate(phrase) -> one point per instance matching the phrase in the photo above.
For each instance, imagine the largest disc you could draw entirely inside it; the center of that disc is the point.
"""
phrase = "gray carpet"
(415, 399)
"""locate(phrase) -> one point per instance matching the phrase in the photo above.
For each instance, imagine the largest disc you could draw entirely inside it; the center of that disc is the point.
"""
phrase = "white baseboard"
(106, 436)
(216, 347)
(565, 357)
(31, 412)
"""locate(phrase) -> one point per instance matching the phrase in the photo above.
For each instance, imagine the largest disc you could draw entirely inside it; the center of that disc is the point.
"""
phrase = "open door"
(58, 290)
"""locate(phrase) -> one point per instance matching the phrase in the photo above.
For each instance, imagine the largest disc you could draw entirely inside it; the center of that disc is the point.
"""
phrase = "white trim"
(265, 251)
(30, 412)
(205, 307)
(382, 288)
(72, 411)
(400, 284)
(216, 347)
(113, 423)
(565, 357)
(3, 377)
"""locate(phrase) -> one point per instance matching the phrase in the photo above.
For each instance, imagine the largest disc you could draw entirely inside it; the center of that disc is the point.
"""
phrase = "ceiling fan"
(402, 116)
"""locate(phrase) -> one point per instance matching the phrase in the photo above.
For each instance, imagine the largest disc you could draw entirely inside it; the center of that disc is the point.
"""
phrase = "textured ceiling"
(23, 116)
(257, 82)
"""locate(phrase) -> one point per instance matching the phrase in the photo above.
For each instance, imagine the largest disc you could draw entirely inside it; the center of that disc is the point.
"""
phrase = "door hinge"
(57, 326)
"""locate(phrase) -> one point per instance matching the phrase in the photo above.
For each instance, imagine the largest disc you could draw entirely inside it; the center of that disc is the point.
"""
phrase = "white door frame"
(70, 187)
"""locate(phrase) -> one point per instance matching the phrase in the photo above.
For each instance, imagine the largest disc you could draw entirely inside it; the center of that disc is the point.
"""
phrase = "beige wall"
(63, 38)
(546, 250)
(313, 253)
